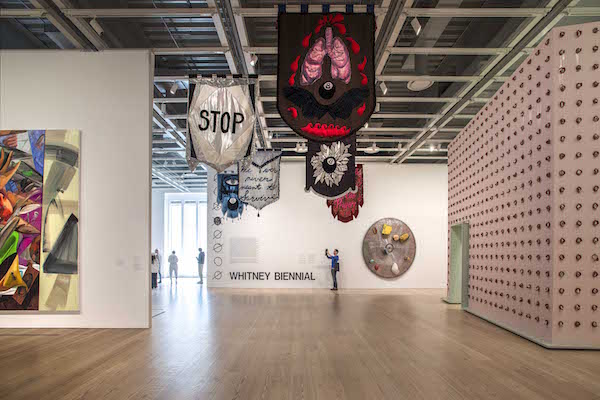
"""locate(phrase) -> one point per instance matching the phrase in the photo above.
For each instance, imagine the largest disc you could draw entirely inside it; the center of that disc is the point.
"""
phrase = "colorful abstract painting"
(39, 218)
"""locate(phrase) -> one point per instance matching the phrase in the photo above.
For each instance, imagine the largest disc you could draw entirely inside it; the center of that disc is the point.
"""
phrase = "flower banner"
(345, 208)
(330, 167)
(259, 179)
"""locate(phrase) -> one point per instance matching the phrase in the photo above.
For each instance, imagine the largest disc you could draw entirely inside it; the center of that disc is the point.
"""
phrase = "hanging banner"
(325, 73)
(330, 167)
(345, 208)
(228, 195)
(220, 123)
(259, 179)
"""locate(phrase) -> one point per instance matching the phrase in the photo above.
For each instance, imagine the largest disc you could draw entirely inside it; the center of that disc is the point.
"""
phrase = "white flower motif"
(330, 163)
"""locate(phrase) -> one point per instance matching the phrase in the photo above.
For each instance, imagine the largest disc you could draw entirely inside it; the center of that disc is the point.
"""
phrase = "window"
(185, 233)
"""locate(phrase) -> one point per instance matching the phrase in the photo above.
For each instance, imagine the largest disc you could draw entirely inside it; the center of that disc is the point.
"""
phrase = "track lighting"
(253, 60)
(96, 26)
(416, 26)
(174, 88)
(383, 88)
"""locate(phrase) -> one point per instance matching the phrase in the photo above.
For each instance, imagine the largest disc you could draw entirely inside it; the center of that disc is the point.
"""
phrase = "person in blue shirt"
(335, 266)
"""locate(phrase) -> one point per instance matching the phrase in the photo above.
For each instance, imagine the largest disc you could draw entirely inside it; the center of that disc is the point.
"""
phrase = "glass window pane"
(188, 265)
(174, 242)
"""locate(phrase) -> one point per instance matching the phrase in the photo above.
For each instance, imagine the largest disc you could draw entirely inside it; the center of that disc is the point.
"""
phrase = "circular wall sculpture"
(389, 248)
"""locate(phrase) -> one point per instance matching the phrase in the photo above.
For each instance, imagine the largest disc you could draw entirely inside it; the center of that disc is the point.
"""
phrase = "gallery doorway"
(458, 275)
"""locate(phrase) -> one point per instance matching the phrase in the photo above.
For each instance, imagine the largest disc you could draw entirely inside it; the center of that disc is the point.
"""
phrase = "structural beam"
(22, 13)
(241, 40)
(223, 40)
(459, 51)
(62, 24)
(396, 99)
(379, 78)
(273, 11)
(583, 11)
(172, 51)
(488, 12)
(450, 51)
(140, 12)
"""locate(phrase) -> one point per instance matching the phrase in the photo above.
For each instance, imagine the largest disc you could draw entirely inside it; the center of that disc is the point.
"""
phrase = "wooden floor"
(294, 344)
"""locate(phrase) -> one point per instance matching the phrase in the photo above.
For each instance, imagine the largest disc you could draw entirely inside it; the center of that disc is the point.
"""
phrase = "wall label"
(277, 276)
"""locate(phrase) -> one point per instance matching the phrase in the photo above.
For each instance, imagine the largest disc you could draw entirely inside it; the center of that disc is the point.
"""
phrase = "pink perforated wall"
(524, 175)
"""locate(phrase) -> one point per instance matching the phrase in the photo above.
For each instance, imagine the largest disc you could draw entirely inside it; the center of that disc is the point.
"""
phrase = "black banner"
(325, 73)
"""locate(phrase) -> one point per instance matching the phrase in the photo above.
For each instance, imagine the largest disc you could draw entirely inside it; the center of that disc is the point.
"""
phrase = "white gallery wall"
(158, 221)
(107, 96)
(291, 234)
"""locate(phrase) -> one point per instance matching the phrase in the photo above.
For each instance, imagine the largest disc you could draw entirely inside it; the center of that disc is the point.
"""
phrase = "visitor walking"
(200, 259)
(173, 266)
(159, 261)
(154, 269)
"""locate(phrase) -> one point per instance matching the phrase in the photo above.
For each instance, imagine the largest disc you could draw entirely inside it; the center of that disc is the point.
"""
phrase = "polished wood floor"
(293, 344)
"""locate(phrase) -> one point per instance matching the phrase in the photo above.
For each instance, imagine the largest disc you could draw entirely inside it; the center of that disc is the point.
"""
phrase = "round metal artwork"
(389, 248)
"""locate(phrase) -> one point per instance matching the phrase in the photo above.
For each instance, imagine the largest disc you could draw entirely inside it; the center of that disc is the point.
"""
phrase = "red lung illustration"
(336, 50)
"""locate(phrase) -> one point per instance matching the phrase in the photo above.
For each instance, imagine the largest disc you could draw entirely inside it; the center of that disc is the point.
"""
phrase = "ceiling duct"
(420, 69)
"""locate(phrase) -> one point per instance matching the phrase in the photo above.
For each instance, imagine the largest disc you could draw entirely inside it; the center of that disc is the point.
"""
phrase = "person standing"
(173, 266)
(159, 261)
(335, 266)
(200, 258)
(154, 269)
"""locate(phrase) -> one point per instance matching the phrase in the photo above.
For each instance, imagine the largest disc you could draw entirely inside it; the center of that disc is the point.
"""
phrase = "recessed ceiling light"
(372, 149)
(419, 85)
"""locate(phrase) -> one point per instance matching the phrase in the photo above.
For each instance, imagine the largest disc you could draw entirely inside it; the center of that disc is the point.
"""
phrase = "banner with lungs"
(345, 208)
(330, 170)
(220, 123)
(325, 73)
(228, 195)
(259, 178)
